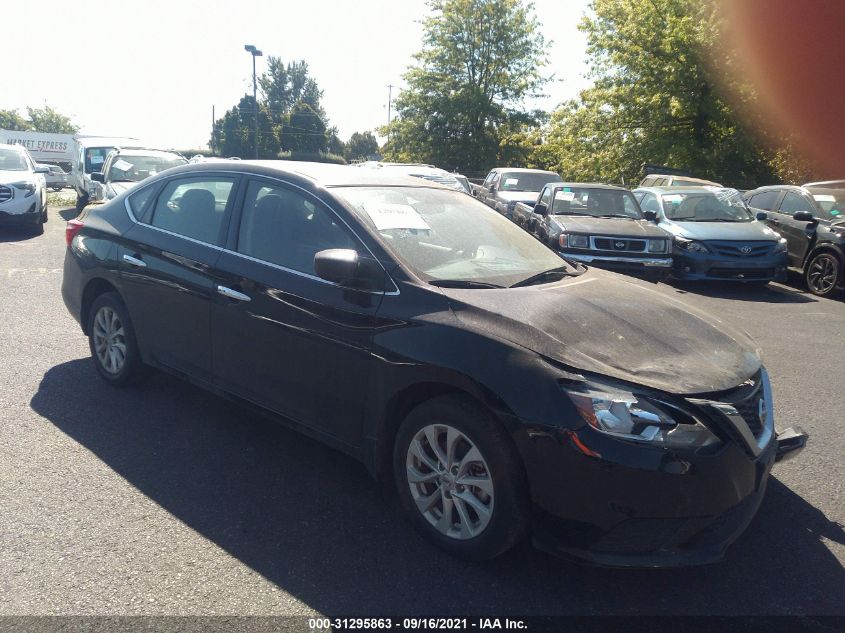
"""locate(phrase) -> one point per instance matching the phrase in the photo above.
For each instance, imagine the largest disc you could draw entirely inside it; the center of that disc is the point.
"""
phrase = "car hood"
(7, 176)
(720, 230)
(622, 227)
(119, 187)
(528, 197)
(605, 323)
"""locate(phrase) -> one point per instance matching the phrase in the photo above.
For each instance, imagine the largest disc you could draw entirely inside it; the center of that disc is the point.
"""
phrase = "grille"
(618, 244)
(741, 273)
(5, 193)
(741, 249)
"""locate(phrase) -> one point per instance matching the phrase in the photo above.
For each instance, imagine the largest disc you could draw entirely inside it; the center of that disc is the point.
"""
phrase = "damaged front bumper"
(622, 504)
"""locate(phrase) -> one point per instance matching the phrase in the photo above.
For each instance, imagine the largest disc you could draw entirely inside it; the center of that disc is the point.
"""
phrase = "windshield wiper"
(615, 215)
(561, 271)
(462, 283)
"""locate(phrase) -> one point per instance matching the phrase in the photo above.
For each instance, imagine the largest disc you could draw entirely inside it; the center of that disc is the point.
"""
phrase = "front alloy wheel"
(460, 479)
(450, 481)
(823, 274)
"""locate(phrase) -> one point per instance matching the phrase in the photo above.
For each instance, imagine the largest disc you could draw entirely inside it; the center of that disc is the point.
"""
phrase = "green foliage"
(479, 60)
(318, 157)
(661, 79)
(44, 119)
(361, 146)
(11, 120)
(290, 116)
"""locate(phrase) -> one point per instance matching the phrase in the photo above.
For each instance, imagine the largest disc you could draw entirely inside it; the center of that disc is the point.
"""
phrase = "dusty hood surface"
(620, 227)
(601, 322)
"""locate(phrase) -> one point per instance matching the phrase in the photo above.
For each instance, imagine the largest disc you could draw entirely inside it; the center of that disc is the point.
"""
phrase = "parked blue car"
(715, 235)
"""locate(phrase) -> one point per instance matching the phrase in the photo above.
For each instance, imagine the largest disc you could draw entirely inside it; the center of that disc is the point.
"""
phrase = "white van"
(91, 153)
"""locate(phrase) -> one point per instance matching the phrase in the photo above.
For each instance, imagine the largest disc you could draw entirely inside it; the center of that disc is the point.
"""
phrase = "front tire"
(459, 478)
(823, 274)
(111, 338)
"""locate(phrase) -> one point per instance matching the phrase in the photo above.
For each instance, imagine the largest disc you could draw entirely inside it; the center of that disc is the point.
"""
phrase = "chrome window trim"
(222, 249)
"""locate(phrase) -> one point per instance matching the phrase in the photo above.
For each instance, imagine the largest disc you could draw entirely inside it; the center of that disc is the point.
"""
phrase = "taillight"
(73, 227)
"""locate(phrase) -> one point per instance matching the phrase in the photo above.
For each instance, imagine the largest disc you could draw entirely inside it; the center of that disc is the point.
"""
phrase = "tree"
(662, 78)
(480, 59)
(304, 131)
(361, 146)
(47, 119)
(11, 120)
(44, 119)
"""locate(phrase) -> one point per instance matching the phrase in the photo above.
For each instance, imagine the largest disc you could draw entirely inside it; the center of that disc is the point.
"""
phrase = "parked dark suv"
(504, 390)
(812, 220)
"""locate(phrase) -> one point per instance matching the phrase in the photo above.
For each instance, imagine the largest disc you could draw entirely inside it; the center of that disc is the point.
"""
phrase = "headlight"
(574, 241)
(25, 185)
(658, 246)
(780, 247)
(634, 417)
(690, 245)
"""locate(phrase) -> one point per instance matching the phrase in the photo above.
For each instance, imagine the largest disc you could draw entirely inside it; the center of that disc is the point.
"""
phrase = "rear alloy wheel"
(824, 274)
(112, 341)
(459, 478)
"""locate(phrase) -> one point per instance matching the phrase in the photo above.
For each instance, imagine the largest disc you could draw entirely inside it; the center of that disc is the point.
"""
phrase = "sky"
(155, 71)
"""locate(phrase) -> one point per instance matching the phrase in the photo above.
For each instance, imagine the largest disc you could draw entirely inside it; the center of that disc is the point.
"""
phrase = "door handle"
(134, 261)
(232, 294)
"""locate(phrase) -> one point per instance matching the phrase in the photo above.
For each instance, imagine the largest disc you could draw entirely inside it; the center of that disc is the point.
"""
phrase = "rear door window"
(193, 207)
(793, 202)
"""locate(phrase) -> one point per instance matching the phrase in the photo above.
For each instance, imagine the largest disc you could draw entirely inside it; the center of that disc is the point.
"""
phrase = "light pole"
(249, 48)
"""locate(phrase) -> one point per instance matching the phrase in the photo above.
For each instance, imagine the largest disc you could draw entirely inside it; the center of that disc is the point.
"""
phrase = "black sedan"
(506, 391)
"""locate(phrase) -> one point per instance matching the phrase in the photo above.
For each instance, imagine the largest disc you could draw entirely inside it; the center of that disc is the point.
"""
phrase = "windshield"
(95, 157)
(723, 205)
(446, 235)
(832, 201)
(595, 202)
(12, 160)
(136, 168)
(518, 181)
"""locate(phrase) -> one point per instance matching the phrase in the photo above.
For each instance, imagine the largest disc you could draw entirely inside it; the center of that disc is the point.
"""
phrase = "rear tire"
(468, 493)
(111, 338)
(823, 274)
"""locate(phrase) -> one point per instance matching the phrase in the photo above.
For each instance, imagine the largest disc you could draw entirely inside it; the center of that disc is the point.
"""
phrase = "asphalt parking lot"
(163, 499)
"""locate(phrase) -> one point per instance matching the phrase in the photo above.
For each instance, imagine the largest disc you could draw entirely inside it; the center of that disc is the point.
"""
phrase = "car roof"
(687, 189)
(14, 146)
(524, 170)
(325, 174)
(140, 151)
(830, 184)
(588, 185)
(701, 180)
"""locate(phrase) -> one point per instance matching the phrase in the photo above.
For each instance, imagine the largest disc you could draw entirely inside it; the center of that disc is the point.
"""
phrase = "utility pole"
(249, 48)
(389, 104)
(213, 120)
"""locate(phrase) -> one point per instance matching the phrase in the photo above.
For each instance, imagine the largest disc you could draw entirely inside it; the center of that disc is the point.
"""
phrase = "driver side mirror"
(761, 215)
(98, 176)
(541, 209)
(803, 216)
(651, 216)
(41, 169)
(343, 267)
(492, 188)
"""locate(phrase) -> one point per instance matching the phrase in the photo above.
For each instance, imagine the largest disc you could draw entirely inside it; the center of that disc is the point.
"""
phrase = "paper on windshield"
(395, 216)
(511, 181)
(569, 196)
(122, 165)
(673, 198)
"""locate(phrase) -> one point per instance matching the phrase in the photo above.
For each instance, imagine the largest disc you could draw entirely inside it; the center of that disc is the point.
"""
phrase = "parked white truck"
(78, 154)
